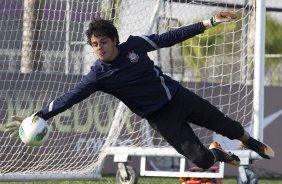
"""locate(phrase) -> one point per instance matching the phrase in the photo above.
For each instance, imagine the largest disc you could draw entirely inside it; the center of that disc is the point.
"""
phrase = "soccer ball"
(34, 131)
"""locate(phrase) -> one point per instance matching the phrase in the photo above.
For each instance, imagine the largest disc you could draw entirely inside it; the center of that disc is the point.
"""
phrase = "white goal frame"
(258, 103)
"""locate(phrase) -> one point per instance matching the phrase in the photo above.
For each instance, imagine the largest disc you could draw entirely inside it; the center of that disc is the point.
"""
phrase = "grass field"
(142, 180)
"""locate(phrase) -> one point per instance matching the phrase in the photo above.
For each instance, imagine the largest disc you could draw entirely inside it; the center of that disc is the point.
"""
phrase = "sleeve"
(171, 38)
(81, 91)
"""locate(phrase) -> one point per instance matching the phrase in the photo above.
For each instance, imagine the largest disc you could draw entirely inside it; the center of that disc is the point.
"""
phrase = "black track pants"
(172, 123)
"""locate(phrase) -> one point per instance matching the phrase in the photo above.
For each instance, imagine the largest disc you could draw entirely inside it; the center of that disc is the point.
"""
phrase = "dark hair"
(101, 27)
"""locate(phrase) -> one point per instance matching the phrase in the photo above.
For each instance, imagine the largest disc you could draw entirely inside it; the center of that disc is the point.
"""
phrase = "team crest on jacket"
(132, 56)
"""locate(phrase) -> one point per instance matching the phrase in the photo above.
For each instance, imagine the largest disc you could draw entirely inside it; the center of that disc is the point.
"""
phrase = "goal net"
(44, 54)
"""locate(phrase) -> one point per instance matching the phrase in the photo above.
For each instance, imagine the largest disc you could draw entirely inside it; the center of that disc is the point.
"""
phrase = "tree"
(273, 46)
(219, 41)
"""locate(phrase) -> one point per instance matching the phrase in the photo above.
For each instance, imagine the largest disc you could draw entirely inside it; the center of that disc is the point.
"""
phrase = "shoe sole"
(234, 160)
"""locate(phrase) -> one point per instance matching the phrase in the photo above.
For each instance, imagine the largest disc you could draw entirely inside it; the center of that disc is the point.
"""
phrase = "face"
(105, 48)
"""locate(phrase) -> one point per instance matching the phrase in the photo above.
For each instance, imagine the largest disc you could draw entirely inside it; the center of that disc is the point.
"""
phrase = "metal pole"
(67, 51)
(154, 15)
(28, 31)
(259, 70)
(245, 68)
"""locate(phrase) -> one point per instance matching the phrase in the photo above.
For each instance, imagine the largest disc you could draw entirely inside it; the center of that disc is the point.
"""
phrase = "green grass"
(142, 180)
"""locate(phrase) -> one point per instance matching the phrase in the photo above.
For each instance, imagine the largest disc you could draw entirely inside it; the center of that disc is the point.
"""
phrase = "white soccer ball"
(34, 131)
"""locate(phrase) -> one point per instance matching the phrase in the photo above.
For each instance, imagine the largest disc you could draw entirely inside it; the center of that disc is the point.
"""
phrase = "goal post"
(259, 70)
(220, 65)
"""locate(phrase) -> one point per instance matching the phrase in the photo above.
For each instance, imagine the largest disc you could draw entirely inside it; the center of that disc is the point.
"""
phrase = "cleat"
(224, 156)
(260, 148)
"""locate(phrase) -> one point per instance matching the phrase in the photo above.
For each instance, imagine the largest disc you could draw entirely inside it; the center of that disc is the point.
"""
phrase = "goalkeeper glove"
(13, 127)
(219, 18)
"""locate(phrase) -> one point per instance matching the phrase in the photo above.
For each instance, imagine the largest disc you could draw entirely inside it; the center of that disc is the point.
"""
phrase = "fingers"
(11, 129)
(14, 134)
(228, 15)
(225, 16)
(17, 118)
(12, 124)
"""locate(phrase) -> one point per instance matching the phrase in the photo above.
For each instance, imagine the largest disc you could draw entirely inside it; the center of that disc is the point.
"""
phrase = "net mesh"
(44, 54)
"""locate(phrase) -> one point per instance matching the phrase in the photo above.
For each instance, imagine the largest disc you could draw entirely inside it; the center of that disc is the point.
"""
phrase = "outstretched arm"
(171, 38)
(81, 91)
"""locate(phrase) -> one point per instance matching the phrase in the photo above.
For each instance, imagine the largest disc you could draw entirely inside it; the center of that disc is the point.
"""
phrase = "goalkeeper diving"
(125, 71)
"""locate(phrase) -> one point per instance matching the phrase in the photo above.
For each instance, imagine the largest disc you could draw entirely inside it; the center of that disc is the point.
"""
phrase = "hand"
(219, 18)
(223, 17)
(13, 127)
